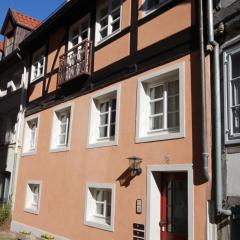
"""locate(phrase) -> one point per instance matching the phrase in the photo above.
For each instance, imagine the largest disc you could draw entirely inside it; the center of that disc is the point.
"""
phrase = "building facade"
(112, 133)
(12, 94)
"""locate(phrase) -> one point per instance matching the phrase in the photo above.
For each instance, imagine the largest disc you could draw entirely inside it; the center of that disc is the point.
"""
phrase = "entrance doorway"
(170, 202)
(174, 206)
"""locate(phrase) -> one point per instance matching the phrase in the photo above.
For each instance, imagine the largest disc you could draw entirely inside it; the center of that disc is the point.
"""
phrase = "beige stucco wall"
(64, 174)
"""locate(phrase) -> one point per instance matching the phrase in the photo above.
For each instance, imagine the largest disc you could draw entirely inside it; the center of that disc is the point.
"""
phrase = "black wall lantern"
(134, 165)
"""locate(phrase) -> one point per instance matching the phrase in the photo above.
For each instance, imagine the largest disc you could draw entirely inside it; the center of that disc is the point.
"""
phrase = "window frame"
(54, 146)
(94, 112)
(97, 25)
(32, 151)
(42, 52)
(230, 137)
(78, 24)
(29, 210)
(142, 123)
(89, 215)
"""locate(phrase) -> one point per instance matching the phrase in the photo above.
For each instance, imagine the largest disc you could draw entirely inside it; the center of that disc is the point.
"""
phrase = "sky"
(34, 8)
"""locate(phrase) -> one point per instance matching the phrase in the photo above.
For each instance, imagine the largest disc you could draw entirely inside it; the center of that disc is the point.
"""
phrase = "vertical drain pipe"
(204, 154)
(217, 112)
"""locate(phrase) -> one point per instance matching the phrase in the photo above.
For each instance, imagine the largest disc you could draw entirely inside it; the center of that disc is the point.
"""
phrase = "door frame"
(154, 195)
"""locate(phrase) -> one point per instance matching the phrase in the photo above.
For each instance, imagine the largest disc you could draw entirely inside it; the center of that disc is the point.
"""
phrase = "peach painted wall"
(64, 174)
(170, 22)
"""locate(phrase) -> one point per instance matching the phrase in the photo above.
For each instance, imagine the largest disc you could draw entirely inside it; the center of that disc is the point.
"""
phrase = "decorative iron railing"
(75, 62)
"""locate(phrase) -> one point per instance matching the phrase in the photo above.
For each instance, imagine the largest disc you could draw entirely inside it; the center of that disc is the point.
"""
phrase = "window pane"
(113, 117)
(62, 139)
(173, 88)
(103, 33)
(104, 119)
(236, 120)
(116, 14)
(115, 4)
(104, 107)
(104, 12)
(103, 131)
(112, 130)
(156, 92)
(156, 107)
(173, 104)
(114, 104)
(100, 208)
(152, 3)
(236, 65)
(84, 35)
(104, 22)
(115, 26)
(156, 122)
(235, 92)
(173, 120)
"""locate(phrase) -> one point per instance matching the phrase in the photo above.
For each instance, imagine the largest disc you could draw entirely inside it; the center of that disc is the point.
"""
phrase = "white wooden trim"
(111, 186)
(156, 77)
(54, 110)
(99, 95)
(29, 118)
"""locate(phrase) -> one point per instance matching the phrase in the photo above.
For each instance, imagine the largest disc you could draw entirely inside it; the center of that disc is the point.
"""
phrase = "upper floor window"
(79, 32)
(108, 20)
(103, 126)
(30, 134)
(151, 5)
(160, 105)
(232, 94)
(38, 64)
(61, 128)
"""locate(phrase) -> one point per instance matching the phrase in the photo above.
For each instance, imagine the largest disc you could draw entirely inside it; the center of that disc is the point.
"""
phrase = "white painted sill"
(59, 149)
(29, 210)
(99, 225)
(102, 144)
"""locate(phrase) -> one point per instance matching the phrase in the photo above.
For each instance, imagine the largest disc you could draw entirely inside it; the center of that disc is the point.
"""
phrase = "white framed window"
(32, 197)
(100, 205)
(108, 20)
(160, 105)
(61, 127)
(79, 32)
(30, 134)
(38, 64)
(150, 6)
(232, 94)
(104, 118)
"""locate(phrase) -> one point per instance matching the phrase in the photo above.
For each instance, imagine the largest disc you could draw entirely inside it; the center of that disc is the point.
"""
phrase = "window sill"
(38, 79)
(59, 149)
(32, 211)
(95, 224)
(159, 137)
(29, 153)
(102, 144)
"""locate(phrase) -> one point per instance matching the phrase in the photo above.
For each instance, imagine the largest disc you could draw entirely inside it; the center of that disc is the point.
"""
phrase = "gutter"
(204, 154)
(217, 112)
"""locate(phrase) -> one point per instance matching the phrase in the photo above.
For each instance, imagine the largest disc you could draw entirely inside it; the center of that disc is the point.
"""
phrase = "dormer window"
(9, 44)
(38, 64)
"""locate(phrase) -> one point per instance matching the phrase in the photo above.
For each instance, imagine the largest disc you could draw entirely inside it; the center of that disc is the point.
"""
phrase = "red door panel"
(174, 206)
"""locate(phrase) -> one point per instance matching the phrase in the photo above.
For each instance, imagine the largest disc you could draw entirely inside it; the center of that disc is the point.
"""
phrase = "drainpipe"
(217, 111)
(204, 154)
(18, 133)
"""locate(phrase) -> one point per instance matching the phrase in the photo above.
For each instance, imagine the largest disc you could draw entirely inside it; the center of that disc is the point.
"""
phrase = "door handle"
(162, 223)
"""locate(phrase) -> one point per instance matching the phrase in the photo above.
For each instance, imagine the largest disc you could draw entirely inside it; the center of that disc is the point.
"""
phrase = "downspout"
(217, 111)
(18, 134)
(204, 154)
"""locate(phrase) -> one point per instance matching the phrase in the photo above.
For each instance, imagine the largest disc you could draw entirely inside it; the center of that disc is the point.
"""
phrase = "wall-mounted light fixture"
(134, 165)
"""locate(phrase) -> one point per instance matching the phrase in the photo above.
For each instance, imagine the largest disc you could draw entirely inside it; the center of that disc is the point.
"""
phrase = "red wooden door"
(174, 206)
